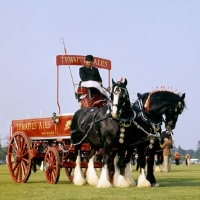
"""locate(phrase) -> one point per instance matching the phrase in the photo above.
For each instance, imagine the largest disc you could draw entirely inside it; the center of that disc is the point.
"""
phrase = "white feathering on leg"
(119, 180)
(117, 173)
(142, 181)
(91, 175)
(128, 175)
(78, 174)
(103, 181)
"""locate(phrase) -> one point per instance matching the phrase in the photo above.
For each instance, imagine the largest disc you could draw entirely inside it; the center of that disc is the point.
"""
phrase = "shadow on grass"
(179, 182)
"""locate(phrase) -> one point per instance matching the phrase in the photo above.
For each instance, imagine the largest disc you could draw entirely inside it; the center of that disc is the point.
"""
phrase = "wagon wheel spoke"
(13, 147)
(20, 140)
(24, 154)
(24, 168)
(24, 162)
(17, 173)
(14, 167)
(19, 157)
(20, 172)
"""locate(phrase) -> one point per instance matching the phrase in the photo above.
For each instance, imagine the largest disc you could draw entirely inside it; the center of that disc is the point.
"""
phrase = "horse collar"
(140, 113)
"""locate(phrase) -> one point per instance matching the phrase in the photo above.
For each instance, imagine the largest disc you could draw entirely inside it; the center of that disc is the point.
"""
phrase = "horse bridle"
(178, 109)
(117, 91)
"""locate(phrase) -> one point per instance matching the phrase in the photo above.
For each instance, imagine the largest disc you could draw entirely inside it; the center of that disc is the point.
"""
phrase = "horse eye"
(175, 116)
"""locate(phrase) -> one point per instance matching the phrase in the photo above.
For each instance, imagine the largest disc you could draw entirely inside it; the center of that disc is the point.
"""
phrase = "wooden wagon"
(46, 140)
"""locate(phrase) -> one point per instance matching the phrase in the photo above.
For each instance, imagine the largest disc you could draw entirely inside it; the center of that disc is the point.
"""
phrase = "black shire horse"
(150, 108)
(101, 129)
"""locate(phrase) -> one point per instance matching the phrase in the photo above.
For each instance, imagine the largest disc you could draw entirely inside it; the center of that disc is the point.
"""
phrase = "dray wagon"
(46, 140)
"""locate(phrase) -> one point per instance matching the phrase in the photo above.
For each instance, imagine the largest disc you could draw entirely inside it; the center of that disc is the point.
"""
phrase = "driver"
(88, 72)
(90, 78)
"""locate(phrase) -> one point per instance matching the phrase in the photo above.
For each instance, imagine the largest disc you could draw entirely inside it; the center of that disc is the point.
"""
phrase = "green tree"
(197, 152)
(198, 145)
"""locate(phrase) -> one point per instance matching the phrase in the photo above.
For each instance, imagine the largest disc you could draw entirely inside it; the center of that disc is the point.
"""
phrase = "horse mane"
(174, 95)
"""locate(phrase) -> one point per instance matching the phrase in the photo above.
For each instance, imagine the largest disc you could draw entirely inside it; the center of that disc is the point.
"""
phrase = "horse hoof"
(155, 185)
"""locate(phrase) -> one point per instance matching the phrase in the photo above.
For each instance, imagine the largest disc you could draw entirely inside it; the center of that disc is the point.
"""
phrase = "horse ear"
(125, 82)
(183, 96)
(113, 82)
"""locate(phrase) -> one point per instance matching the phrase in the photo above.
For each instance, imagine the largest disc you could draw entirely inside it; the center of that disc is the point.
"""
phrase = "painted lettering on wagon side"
(47, 133)
(77, 59)
(33, 125)
(26, 126)
(44, 125)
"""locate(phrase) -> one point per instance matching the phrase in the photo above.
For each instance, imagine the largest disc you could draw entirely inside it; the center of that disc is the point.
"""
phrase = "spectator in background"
(187, 158)
(166, 146)
(177, 157)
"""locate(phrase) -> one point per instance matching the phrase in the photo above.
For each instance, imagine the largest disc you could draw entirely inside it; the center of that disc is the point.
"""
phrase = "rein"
(150, 137)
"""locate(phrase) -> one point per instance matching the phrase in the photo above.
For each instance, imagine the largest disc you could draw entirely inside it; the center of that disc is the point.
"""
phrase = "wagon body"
(45, 141)
(44, 127)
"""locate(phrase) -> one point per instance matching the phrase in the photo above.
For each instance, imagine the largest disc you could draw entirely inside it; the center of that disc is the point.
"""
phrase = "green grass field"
(183, 182)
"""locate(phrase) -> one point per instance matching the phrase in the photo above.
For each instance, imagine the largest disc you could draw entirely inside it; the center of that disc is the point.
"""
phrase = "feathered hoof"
(93, 181)
(143, 182)
(158, 169)
(122, 182)
(103, 184)
(79, 180)
(131, 182)
(155, 185)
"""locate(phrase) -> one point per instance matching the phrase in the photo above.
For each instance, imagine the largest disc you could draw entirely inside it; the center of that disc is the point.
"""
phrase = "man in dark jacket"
(90, 78)
(88, 72)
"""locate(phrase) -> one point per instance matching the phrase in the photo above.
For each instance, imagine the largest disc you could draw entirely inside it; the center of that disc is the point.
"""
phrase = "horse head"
(173, 113)
(120, 98)
(168, 103)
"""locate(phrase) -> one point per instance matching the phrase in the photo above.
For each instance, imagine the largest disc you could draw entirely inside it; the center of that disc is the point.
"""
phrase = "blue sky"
(150, 43)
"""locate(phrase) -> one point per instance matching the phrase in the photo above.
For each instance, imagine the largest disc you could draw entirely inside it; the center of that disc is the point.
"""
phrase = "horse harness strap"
(89, 125)
(140, 113)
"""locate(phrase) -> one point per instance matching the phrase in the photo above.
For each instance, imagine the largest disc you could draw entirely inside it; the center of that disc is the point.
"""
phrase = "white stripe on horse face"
(114, 107)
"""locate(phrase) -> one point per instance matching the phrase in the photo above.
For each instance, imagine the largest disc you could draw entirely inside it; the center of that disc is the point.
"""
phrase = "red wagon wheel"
(52, 165)
(19, 157)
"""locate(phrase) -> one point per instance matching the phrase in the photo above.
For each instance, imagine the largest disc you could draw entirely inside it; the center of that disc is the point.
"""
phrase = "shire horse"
(142, 128)
(100, 128)
(146, 128)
